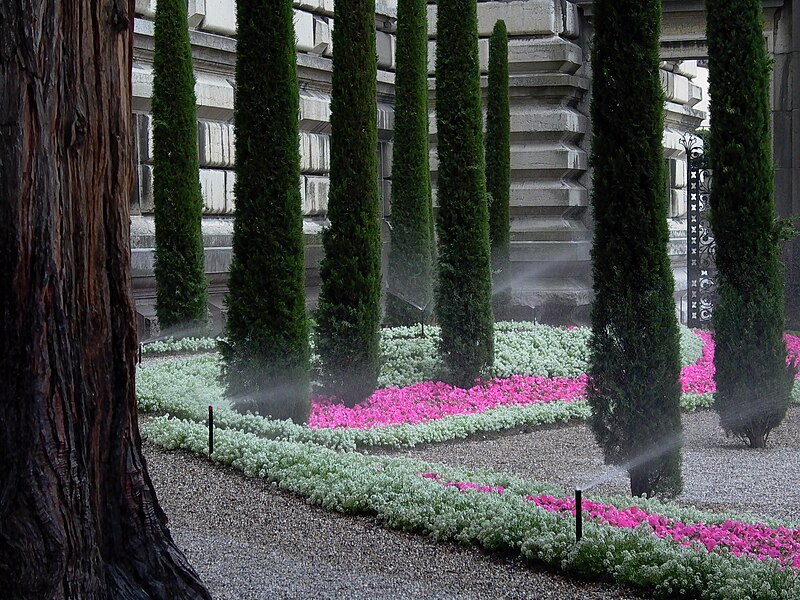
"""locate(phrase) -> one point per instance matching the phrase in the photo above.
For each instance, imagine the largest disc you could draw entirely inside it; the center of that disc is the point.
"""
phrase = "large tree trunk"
(78, 514)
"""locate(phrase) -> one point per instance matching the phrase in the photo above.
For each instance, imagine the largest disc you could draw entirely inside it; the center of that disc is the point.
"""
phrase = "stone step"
(548, 229)
(555, 251)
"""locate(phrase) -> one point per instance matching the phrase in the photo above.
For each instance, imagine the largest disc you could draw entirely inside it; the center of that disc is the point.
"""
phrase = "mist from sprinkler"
(420, 304)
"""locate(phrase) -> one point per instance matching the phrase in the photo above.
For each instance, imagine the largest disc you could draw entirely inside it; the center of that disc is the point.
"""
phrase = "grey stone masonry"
(549, 159)
(550, 89)
(212, 34)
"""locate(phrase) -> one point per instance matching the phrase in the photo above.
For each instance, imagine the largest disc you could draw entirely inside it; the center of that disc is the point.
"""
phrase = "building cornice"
(674, 5)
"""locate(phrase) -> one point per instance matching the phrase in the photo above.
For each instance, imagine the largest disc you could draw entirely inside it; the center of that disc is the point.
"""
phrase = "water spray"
(422, 307)
(578, 515)
(210, 430)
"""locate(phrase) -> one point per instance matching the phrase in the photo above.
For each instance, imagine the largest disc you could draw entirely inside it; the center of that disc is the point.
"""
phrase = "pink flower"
(755, 540)
(432, 400)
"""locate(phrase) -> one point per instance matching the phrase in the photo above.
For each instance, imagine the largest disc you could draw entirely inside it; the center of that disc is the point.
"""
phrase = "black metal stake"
(210, 430)
(578, 516)
(140, 353)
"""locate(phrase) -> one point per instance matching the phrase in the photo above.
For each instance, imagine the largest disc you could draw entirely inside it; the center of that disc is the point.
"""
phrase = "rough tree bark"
(78, 514)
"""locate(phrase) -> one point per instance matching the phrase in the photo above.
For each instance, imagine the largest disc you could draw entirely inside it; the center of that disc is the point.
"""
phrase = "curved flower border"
(427, 401)
(742, 539)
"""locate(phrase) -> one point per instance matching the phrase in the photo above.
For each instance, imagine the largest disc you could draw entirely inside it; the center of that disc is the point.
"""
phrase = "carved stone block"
(146, 8)
(214, 97)
(212, 186)
(322, 34)
(304, 30)
(215, 143)
(315, 152)
(385, 47)
(315, 112)
(316, 197)
(197, 13)
(220, 17)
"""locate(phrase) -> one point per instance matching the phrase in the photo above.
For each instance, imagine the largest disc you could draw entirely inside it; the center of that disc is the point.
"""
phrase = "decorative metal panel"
(701, 246)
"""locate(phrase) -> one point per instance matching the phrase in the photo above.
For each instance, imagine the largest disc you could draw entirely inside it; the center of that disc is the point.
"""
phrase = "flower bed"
(740, 538)
(427, 401)
(404, 417)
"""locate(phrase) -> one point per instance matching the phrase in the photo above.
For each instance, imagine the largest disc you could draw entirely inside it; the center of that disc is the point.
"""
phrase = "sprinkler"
(210, 430)
(578, 515)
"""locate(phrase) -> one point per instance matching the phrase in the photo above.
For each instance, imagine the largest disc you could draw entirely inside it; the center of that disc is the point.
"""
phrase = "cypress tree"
(411, 257)
(181, 287)
(464, 291)
(498, 170)
(753, 380)
(634, 369)
(267, 351)
(348, 316)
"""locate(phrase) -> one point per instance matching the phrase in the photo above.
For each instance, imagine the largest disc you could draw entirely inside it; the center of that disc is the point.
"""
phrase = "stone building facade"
(550, 92)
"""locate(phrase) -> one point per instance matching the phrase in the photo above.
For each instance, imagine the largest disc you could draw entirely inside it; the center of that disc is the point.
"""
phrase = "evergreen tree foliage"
(348, 317)
(498, 169)
(753, 381)
(181, 286)
(464, 291)
(266, 356)
(410, 258)
(634, 351)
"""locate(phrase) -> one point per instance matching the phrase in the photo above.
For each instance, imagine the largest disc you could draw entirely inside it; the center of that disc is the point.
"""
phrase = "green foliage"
(753, 382)
(171, 345)
(184, 387)
(634, 351)
(266, 353)
(348, 316)
(410, 274)
(463, 294)
(498, 169)
(181, 287)
(392, 490)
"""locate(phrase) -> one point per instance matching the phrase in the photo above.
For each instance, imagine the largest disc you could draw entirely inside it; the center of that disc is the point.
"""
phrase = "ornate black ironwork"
(701, 267)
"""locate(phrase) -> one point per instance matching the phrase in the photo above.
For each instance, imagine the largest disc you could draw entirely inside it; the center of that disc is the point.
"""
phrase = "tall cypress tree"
(181, 286)
(498, 170)
(411, 257)
(348, 316)
(634, 351)
(463, 295)
(267, 351)
(753, 381)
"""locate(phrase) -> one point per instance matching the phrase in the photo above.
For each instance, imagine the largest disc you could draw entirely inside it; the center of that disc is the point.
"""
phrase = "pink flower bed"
(751, 539)
(431, 400)
(699, 377)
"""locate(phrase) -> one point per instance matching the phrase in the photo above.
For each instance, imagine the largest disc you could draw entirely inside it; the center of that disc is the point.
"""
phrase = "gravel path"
(250, 541)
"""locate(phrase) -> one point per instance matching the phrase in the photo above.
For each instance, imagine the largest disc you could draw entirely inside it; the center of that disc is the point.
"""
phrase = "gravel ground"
(719, 472)
(249, 541)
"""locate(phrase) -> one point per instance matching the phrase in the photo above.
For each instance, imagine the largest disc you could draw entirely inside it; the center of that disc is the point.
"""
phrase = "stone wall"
(550, 77)
(213, 27)
(551, 139)
(549, 198)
